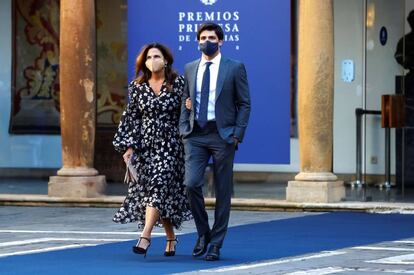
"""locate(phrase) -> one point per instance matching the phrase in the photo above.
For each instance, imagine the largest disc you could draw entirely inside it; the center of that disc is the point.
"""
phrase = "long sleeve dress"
(149, 125)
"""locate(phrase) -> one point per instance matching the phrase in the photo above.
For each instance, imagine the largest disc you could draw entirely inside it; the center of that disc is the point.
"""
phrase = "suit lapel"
(192, 75)
(221, 76)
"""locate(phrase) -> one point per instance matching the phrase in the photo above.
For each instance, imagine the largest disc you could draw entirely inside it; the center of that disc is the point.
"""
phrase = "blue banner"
(257, 32)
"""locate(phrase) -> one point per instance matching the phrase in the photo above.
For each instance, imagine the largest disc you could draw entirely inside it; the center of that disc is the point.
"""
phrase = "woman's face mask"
(155, 64)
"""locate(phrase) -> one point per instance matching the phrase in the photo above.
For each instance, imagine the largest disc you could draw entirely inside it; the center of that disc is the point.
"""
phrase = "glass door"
(383, 148)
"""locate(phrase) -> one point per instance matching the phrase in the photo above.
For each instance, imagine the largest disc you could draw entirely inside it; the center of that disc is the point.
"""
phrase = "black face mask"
(209, 48)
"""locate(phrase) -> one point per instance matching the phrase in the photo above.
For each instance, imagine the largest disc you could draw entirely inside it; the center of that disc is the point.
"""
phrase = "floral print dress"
(149, 125)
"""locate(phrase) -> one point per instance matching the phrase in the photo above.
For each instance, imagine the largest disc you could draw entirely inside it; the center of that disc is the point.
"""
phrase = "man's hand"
(127, 155)
(188, 103)
(236, 140)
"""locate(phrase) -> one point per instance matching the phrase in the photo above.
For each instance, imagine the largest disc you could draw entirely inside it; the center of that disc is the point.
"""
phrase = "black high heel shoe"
(139, 250)
(171, 252)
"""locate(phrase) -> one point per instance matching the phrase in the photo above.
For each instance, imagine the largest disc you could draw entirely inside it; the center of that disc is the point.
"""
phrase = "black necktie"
(205, 90)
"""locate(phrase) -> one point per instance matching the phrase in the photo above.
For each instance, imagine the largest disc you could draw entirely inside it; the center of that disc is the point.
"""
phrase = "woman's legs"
(169, 231)
(151, 217)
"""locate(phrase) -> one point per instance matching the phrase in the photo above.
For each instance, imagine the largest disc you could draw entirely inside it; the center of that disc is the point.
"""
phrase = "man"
(404, 55)
(214, 115)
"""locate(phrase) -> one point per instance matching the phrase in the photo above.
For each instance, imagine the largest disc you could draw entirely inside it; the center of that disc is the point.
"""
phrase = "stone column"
(77, 177)
(315, 182)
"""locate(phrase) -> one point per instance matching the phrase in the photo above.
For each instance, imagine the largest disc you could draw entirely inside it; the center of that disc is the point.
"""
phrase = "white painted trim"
(268, 263)
(45, 240)
(79, 232)
(330, 270)
(318, 271)
(382, 248)
(404, 242)
(53, 248)
(407, 259)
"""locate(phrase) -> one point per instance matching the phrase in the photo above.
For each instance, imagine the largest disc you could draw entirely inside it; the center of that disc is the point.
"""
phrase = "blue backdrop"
(257, 32)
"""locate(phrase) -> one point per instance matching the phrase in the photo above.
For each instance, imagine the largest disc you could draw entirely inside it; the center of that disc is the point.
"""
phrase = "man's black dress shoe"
(213, 253)
(201, 245)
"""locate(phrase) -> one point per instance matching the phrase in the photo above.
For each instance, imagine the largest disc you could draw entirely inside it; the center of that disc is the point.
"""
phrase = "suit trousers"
(199, 146)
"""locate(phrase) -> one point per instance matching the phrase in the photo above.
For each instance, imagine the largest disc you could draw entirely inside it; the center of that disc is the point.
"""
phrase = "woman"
(149, 138)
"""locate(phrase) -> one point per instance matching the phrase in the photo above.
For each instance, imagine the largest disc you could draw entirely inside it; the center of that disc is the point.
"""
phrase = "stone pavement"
(40, 229)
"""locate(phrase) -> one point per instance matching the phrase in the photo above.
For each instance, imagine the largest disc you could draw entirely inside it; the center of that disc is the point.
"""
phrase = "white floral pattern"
(149, 125)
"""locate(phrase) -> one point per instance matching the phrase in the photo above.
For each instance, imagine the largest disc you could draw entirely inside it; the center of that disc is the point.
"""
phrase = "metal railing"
(359, 112)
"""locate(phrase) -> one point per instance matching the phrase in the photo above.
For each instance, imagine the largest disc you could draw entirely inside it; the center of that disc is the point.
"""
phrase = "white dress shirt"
(214, 68)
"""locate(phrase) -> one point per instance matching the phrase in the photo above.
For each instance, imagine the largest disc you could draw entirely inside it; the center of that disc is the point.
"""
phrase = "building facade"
(360, 66)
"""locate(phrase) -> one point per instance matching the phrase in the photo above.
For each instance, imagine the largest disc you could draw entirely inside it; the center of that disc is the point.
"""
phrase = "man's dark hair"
(210, 26)
(410, 19)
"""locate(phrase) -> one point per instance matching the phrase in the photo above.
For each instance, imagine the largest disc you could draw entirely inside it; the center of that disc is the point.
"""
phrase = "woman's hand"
(127, 155)
(188, 104)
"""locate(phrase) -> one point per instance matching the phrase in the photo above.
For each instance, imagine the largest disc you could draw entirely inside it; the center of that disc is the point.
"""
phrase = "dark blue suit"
(232, 110)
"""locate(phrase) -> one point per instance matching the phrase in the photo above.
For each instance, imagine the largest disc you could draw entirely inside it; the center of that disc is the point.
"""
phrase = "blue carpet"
(269, 240)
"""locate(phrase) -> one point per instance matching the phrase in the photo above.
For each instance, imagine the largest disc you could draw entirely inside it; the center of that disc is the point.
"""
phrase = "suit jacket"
(232, 107)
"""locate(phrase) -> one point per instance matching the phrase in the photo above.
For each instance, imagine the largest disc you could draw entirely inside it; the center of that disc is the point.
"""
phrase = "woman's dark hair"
(170, 74)
(210, 26)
